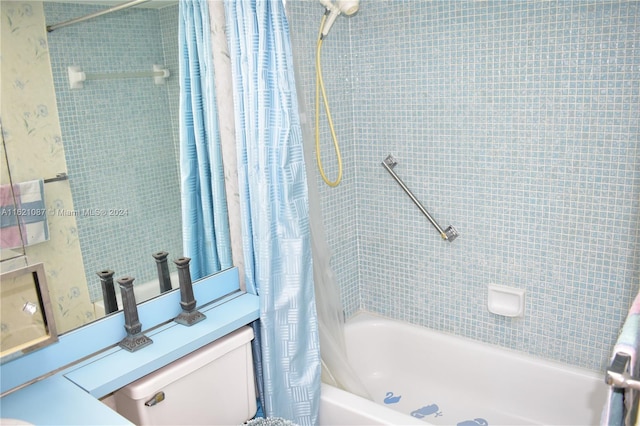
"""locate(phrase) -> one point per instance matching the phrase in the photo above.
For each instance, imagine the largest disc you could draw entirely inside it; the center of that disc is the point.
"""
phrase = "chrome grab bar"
(448, 234)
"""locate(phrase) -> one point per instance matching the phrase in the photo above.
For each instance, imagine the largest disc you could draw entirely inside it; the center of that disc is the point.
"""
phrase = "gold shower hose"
(319, 88)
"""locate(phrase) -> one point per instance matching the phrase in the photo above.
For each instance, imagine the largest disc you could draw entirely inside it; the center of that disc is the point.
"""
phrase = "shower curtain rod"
(96, 14)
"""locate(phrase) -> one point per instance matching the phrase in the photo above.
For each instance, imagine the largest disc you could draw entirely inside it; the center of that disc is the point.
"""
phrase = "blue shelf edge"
(95, 337)
(118, 367)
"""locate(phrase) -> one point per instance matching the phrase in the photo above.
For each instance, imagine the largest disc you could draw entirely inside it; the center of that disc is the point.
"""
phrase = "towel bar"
(59, 177)
(448, 234)
(618, 376)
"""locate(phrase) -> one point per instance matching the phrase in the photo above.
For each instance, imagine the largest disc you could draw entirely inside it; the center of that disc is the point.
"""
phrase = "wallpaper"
(34, 147)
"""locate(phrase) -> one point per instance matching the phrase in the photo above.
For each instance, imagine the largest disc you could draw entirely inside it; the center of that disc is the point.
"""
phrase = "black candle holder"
(163, 271)
(189, 314)
(135, 340)
(108, 291)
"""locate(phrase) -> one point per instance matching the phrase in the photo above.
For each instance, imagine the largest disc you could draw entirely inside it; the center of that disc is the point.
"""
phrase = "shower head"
(348, 7)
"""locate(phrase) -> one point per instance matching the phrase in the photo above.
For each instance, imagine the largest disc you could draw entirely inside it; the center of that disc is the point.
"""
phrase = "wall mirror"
(26, 314)
(107, 152)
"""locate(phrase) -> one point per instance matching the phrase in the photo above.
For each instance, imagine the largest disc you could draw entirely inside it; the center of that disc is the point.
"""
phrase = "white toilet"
(213, 385)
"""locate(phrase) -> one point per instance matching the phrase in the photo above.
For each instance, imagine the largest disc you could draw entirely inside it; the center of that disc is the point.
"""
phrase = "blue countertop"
(70, 396)
(58, 401)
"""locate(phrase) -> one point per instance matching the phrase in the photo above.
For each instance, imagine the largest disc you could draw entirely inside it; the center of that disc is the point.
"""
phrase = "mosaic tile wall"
(339, 204)
(169, 27)
(515, 121)
(119, 136)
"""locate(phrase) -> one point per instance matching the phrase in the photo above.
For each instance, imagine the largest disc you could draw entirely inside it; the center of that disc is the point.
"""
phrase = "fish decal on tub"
(427, 410)
(390, 398)
(475, 422)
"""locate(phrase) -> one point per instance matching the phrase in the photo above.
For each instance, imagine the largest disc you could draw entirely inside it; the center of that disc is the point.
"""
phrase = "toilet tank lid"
(149, 384)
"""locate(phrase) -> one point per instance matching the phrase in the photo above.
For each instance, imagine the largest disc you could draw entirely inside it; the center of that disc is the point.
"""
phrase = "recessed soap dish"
(506, 301)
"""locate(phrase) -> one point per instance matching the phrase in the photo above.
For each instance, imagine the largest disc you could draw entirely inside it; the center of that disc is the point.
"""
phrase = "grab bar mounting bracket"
(451, 233)
(390, 161)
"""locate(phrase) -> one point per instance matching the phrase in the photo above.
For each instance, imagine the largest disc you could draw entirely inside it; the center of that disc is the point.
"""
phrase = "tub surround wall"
(517, 122)
(339, 204)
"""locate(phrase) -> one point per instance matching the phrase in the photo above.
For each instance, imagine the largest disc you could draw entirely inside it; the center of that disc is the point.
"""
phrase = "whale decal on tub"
(475, 422)
(390, 398)
(427, 410)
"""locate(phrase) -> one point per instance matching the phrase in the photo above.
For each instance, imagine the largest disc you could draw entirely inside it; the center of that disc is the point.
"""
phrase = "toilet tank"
(213, 385)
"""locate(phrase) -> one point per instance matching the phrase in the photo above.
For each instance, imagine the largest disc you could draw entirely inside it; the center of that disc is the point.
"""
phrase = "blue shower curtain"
(205, 225)
(274, 203)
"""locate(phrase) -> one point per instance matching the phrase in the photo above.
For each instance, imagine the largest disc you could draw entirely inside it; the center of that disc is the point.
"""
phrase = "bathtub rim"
(376, 319)
(360, 411)
(349, 409)
(583, 407)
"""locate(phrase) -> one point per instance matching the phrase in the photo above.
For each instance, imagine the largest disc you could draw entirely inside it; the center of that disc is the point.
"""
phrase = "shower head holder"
(335, 8)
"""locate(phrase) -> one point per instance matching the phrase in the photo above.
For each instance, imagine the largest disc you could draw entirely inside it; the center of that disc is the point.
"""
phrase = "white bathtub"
(440, 379)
